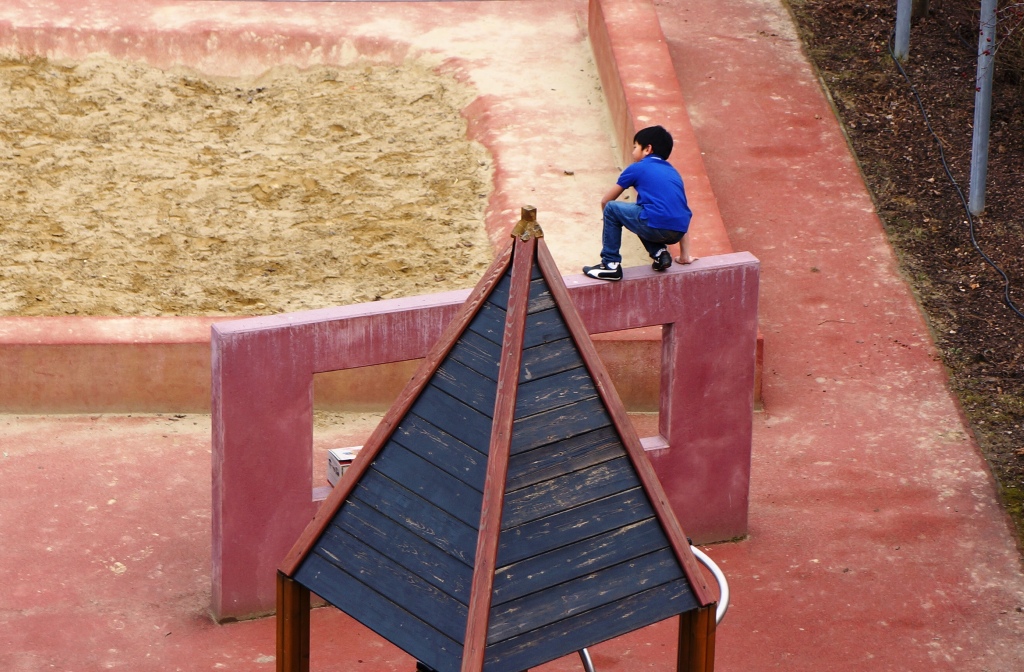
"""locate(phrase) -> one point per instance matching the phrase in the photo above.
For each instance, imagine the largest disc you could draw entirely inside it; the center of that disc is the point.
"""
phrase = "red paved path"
(876, 541)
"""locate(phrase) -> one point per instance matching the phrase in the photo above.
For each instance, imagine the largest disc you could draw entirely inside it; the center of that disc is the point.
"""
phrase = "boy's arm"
(684, 250)
(612, 194)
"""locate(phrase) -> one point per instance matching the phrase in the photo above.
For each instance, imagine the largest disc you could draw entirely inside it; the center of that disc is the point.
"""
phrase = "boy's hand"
(684, 250)
(612, 194)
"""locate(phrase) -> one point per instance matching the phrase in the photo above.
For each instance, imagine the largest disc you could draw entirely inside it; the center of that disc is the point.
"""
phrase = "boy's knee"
(618, 207)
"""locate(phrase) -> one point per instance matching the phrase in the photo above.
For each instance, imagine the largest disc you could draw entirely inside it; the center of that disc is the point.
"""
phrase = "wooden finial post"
(527, 227)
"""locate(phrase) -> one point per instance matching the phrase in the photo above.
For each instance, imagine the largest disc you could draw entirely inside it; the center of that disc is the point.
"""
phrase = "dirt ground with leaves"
(980, 338)
(129, 190)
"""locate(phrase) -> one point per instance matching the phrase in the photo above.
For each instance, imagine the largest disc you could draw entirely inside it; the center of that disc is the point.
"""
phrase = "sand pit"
(130, 190)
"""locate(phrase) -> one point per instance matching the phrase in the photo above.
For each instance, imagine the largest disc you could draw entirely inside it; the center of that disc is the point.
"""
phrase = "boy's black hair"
(657, 137)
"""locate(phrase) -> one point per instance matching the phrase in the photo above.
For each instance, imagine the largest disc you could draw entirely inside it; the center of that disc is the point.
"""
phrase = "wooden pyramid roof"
(503, 513)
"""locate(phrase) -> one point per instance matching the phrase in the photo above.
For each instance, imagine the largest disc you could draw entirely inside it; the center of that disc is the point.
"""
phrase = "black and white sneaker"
(662, 261)
(603, 271)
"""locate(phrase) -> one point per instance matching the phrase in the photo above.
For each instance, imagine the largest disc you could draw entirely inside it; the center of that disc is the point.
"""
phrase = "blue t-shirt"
(660, 193)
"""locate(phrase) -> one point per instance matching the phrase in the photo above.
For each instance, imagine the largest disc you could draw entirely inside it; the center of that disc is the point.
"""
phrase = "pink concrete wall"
(162, 365)
(104, 364)
(263, 372)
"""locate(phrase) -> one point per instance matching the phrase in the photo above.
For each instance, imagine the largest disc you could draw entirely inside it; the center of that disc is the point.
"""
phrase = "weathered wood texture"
(644, 469)
(580, 541)
(292, 625)
(469, 314)
(507, 518)
(697, 640)
(505, 410)
(398, 555)
(597, 625)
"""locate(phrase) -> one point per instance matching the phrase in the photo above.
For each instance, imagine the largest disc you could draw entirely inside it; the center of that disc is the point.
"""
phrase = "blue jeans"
(619, 215)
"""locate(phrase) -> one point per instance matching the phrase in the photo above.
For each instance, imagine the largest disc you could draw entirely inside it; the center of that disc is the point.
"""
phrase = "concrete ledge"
(162, 365)
(105, 364)
(642, 89)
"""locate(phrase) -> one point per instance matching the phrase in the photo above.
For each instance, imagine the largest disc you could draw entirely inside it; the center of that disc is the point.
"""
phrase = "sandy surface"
(128, 190)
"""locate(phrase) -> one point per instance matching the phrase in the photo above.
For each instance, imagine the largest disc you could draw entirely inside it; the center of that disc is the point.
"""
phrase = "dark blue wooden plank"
(543, 327)
(454, 417)
(569, 562)
(426, 561)
(535, 273)
(554, 391)
(548, 358)
(540, 464)
(540, 297)
(559, 424)
(414, 636)
(567, 527)
(489, 322)
(393, 582)
(499, 295)
(466, 385)
(415, 513)
(477, 353)
(572, 634)
(443, 450)
(582, 594)
(429, 482)
(568, 491)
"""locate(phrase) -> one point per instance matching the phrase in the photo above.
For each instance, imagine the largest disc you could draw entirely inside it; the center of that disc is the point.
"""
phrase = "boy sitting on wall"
(660, 216)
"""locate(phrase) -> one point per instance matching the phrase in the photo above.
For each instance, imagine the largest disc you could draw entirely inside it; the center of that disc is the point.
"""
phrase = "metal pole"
(588, 664)
(902, 46)
(723, 583)
(982, 106)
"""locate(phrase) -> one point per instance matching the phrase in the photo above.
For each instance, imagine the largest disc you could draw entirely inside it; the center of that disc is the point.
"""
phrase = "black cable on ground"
(952, 180)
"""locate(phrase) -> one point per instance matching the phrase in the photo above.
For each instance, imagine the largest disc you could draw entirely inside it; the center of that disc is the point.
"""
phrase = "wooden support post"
(292, 625)
(697, 640)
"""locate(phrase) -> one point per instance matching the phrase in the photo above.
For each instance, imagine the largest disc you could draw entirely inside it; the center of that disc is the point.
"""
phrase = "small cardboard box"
(338, 462)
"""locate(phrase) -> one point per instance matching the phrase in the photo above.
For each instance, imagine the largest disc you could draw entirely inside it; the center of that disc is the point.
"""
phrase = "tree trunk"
(919, 10)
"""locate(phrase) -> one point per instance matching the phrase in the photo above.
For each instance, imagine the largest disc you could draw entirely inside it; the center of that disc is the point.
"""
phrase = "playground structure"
(503, 513)
(152, 364)
(263, 404)
(873, 451)
(157, 364)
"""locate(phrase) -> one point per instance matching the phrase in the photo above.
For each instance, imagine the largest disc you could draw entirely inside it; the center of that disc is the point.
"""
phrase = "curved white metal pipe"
(723, 583)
